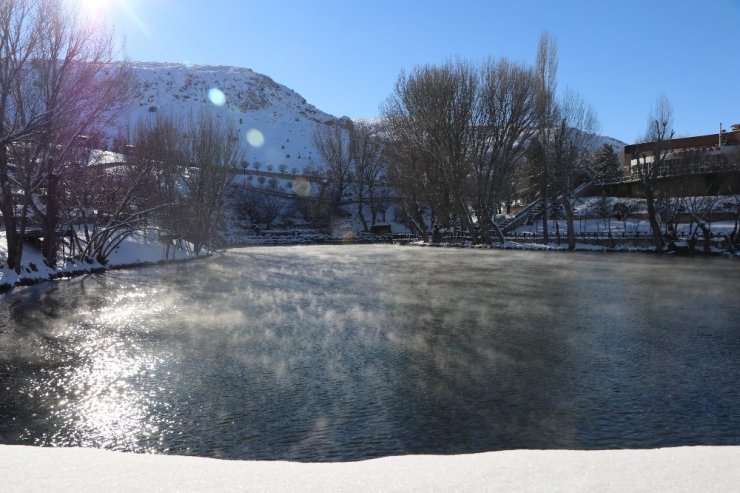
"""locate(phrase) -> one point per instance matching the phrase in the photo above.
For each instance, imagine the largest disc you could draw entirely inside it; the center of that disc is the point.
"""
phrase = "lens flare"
(301, 187)
(107, 11)
(217, 96)
(255, 138)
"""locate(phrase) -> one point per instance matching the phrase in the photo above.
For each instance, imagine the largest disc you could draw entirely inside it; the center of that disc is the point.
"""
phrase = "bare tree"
(107, 204)
(700, 209)
(212, 153)
(659, 134)
(570, 150)
(504, 124)
(430, 117)
(540, 157)
(103, 204)
(332, 142)
(159, 147)
(56, 85)
(262, 208)
(367, 166)
(407, 175)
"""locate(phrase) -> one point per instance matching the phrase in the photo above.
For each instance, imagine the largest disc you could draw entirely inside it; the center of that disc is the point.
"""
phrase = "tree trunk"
(499, 233)
(466, 220)
(545, 211)
(571, 227)
(49, 223)
(652, 217)
(485, 226)
(15, 242)
(13, 239)
(360, 214)
(545, 220)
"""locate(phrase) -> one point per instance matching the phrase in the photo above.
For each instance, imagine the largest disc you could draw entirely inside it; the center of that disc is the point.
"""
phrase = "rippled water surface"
(344, 353)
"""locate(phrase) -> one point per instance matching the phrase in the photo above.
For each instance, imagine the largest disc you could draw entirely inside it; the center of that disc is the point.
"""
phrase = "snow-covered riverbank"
(672, 469)
(141, 249)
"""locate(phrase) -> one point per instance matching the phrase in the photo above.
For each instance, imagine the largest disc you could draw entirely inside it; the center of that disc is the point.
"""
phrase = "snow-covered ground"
(629, 227)
(672, 469)
(587, 221)
(140, 249)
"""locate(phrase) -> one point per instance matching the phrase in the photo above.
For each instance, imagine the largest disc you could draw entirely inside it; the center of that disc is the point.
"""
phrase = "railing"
(711, 164)
(521, 216)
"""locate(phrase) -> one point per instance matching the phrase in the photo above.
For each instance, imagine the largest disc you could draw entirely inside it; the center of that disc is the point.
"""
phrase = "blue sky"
(345, 56)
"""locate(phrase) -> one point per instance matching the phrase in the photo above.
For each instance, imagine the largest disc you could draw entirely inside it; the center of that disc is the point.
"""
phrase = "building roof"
(699, 141)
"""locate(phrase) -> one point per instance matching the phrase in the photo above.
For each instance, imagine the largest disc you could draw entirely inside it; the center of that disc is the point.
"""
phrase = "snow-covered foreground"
(672, 469)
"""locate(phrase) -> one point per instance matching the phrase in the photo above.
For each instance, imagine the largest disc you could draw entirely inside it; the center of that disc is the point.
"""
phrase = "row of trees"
(60, 91)
(56, 85)
(354, 167)
(457, 141)
(177, 176)
(463, 139)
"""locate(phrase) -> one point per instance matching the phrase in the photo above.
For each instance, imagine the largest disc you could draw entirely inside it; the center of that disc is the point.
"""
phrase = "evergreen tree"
(606, 165)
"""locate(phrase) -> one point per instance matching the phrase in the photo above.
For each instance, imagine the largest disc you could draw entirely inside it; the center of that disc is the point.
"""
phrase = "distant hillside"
(600, 140)
(275, 123)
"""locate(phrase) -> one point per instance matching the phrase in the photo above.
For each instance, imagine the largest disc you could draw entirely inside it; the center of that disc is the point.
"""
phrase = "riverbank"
(29, 469)
(563, 247)
(137, 250)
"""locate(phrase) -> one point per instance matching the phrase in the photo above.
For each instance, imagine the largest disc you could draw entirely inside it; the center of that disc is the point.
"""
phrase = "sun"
(95, 6)
(106, 11)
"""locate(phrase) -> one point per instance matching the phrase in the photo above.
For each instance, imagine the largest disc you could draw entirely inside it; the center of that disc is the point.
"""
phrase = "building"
(690, 155)
(700, 165)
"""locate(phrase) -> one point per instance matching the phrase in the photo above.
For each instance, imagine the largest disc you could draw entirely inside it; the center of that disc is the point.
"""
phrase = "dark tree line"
(463, 140)
(354, 170)
(179, 172)
(60, 91)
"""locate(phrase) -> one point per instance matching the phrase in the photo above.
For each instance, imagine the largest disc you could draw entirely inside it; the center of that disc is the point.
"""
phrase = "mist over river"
(329, 353)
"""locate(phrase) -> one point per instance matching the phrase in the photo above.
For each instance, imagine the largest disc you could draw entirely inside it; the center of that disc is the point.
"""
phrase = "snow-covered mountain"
(275, 123)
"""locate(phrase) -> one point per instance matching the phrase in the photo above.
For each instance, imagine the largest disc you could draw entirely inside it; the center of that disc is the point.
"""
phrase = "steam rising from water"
(315, 353)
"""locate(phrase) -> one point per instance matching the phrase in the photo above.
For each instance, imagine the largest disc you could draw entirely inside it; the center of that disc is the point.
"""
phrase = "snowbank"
(672, 469)
(139, 249)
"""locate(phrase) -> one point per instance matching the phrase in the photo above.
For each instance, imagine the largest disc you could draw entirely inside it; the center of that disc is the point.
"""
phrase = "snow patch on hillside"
(275, 124)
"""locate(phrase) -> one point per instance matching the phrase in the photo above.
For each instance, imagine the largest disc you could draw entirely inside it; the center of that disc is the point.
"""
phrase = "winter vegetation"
(106, 164)
(96, 151)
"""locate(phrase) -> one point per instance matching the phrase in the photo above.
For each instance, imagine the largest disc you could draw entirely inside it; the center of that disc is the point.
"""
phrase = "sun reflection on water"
(106, 391)
(329, 353)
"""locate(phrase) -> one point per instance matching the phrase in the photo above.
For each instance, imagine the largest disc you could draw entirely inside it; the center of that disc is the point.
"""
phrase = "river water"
(328, 353)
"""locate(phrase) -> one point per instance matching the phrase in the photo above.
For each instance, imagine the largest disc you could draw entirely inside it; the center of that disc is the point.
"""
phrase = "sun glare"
(107, 11)
(95, 8)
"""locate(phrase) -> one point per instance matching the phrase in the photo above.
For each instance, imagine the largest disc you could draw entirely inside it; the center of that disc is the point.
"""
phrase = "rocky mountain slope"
(275, 124)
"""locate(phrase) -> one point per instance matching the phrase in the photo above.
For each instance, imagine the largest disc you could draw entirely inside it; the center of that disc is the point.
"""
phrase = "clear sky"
(344, 56)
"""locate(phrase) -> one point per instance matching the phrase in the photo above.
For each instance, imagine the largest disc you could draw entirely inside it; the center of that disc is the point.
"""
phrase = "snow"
(704, 469)
(585, 220)
(139, 249)
(274, 123)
